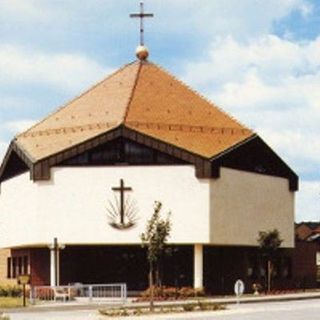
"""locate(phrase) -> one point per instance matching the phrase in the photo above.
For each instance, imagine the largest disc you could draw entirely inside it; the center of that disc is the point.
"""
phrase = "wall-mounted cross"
(122, 189)
(141, 15)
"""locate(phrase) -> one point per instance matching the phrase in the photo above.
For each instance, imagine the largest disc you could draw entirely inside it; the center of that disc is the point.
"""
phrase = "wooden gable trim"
(281, 169)
(202, 165)
(14, 147)
(41, 169)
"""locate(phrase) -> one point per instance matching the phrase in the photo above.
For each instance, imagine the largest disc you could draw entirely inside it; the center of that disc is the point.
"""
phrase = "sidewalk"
(222, 300)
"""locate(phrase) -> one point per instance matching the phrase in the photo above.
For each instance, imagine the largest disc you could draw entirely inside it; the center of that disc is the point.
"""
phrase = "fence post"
(90, 293)
(31, 294)
(124, 293)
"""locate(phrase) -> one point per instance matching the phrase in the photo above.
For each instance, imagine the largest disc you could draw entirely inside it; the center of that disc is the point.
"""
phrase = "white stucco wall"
(73, 205)
(244, 203)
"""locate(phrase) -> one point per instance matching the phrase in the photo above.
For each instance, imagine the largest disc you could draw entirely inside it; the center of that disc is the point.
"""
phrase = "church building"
(78, 187)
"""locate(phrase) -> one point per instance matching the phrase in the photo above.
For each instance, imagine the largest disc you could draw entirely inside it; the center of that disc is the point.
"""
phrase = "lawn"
(10, 302)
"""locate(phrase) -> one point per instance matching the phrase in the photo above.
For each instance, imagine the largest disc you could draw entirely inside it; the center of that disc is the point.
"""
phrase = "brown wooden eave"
(14, 148)
(41, 168)
(238, 157)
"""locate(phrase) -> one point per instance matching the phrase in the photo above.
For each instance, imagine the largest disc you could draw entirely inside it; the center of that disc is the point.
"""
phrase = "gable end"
(255, 156)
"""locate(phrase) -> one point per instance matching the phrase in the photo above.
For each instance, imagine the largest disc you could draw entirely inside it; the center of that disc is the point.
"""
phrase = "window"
(9, 271)
(17, 266)
(25, 265)
(14, 267)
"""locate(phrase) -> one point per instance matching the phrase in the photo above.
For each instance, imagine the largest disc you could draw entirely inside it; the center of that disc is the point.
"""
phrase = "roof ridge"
(132, 91)
(59, 130)
(201, 96)
(189, 128)
(65, 105)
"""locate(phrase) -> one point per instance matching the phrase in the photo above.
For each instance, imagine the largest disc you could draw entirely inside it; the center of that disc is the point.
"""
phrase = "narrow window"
(9, 268)
(19, 266)
(25, 265)
(14, 267)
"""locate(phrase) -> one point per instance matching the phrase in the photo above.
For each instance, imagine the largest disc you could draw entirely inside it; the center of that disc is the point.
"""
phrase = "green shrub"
(171, 293)
(124, 312)
(188, 307)
(218, 306)
(206, 306)
(137, 311)
(10, 291)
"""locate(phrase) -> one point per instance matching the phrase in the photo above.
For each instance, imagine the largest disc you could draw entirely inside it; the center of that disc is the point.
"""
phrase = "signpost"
(238, 289)
(24, 280)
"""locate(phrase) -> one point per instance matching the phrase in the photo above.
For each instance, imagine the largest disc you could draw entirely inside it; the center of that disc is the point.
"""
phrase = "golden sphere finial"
(142, 52)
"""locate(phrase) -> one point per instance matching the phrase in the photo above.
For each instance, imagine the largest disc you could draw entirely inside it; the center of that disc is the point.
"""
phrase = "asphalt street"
(290, 310)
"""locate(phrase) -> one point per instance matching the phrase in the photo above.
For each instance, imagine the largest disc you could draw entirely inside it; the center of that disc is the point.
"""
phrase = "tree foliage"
(155, 238)
(156, 234)
(269, 241)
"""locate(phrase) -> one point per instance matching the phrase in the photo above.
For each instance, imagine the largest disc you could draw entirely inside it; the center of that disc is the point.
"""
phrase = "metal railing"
(82, 293)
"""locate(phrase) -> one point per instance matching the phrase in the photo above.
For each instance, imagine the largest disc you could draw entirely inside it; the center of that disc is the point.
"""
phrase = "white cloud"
(66, 71)
(23, 10)
(245, 18)
(308, 202)
(3, 148)
(19, 125)
(273, 86)
(241, 19)
(306, 9)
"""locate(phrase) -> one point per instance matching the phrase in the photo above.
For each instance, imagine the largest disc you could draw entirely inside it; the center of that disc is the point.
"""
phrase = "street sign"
(239, 288)
(24, 279)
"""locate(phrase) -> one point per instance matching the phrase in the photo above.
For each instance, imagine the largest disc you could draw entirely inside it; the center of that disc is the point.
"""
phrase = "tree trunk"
(157, 276)
(151, 287)
(269, 275)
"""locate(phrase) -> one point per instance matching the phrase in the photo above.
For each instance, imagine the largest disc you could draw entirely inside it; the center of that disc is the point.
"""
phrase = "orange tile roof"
(143, 97)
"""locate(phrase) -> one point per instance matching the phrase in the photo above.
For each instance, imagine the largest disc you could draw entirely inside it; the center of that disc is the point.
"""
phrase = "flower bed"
(176, 308)
(170, 293)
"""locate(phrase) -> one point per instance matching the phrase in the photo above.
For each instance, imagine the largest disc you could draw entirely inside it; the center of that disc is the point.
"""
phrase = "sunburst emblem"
(122, 213)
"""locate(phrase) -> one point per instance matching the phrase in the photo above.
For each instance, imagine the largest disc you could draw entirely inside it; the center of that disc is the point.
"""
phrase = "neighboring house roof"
(308, 231)
(143, 97)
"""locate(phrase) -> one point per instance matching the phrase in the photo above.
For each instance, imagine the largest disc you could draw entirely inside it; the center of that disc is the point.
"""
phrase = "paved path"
(288, 310)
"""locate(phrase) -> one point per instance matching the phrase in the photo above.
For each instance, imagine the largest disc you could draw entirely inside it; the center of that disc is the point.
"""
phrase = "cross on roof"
(141, 15)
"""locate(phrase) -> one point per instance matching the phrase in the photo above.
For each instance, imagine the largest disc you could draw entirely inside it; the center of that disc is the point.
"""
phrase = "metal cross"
(122, 190)
(141, 15)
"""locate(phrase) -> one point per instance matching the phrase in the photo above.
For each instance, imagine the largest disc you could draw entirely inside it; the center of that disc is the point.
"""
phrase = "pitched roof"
(308, 230)
(143, 97)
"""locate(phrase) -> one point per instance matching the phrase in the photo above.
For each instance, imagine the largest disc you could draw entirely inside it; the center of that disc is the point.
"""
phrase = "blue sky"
(259, 60)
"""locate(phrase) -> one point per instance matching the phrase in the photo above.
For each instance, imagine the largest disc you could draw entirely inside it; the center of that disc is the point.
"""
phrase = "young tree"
(269, 242)
(155, 238)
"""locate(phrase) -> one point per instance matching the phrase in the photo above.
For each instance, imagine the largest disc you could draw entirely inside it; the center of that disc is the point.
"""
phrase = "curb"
(91, 306)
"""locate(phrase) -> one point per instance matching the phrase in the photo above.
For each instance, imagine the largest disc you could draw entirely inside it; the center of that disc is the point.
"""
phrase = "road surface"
(290, 310)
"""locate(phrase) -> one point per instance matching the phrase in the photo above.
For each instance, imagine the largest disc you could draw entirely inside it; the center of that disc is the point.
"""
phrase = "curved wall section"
(73, 205)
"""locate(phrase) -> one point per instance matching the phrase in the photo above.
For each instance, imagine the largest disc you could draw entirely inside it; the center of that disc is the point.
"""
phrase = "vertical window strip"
(19, 266)
(25, 265)
(14, 267)
(9, 267)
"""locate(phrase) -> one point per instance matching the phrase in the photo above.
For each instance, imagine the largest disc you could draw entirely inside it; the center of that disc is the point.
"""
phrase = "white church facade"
(89, 173)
